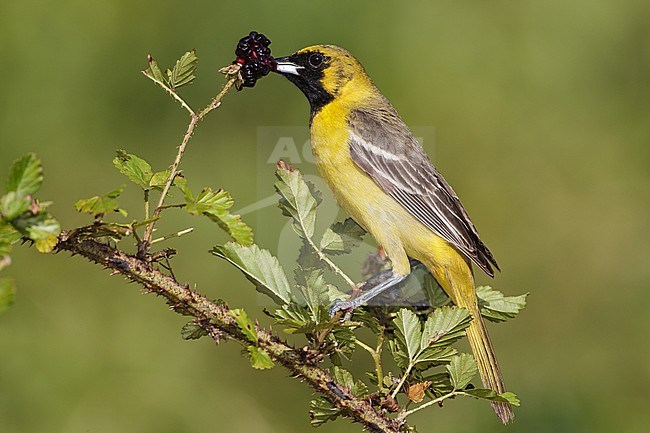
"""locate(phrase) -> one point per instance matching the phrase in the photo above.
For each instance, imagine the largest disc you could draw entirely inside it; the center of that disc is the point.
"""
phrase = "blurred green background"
(542, 120)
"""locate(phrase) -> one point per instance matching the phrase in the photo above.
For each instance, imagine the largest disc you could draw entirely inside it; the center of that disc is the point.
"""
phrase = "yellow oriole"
(384, 180)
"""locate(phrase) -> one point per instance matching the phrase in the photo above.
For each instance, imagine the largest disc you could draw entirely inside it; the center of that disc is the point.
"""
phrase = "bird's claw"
(339, 306)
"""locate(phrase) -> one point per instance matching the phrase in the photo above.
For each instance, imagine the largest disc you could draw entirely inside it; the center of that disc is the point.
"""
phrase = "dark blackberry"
(254, 54)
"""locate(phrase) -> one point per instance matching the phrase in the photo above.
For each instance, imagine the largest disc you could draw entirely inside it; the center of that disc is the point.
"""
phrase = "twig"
(216, 319)
(376, 357)
(173, 235)
(195, 119)
(401, 382)
(330, 263)
(403, 415)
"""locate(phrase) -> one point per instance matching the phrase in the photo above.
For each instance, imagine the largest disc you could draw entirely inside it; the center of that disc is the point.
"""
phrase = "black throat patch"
(310, 83)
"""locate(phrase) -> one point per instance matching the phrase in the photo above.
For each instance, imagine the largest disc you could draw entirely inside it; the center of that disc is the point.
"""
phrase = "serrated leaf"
(321, 411)
(488, 394)
(409, 332)
(444, 326)
(462, 370)
(435, 294)
(25, 175)
(344, 342)
(314, 291)
(400, 354)
(99, 205)
(216, 205)
(13, 204)
(234, 226)
(43, 229)
(294, 317)
(135, 168)
(260, 267)
(245, 324)
(192, 331)
(298, 199)
(154, 72)
(342, 237)
(497, 307)
(345, 378)
(8, 237)
(435, 355)
(183, 71)
(260, 359)
(440, 384)
(159, 179)
(307, 257)
(7, 293)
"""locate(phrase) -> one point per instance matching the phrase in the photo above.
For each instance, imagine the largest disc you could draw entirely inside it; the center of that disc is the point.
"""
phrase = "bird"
(381, 176)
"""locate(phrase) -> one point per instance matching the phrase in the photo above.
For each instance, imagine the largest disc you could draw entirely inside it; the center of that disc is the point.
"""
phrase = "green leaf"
(159, 179)
(13, 204)
(25, 175)
(245, 324)
(183, 72)
(344, 377)
(496, 307)
(444, 326)
(462, 370)
(136, 169)
(8, 237)
(43, 229)
(208, 201)
(192, 331)
(436, 296)
(344, 342)
(408, 332)
(435, 355)
(307, 257)
(342, 237)
(321, 411)
(7, 293)
(315, 292)
(153, 71)
(295, 318)
(100, 205)
(260, 359)
(298, 199)
(488, 394)
(216, 205)
(260, 267)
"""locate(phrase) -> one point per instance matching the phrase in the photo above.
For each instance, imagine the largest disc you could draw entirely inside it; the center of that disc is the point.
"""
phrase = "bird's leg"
(371, 288)
(374, 286)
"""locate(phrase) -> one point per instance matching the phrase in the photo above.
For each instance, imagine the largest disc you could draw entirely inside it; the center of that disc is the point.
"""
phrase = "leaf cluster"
(421, 345)
(23, 217)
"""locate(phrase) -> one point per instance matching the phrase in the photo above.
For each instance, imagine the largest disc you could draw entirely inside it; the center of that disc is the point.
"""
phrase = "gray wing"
(383, 147)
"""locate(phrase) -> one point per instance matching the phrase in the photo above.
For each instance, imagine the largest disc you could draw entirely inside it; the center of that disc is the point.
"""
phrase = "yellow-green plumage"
(345, 89)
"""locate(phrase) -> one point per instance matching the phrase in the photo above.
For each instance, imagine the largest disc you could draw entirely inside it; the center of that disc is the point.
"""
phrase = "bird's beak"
(284, 66)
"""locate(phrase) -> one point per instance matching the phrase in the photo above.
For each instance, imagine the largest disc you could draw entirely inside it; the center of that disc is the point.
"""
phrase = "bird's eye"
(316, 60)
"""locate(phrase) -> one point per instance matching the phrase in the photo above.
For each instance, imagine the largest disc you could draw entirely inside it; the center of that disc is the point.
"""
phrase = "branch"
(217, 321)
(232, 73)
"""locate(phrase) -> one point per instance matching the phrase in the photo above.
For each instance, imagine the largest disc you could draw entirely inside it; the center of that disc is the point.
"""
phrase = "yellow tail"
(457, 281)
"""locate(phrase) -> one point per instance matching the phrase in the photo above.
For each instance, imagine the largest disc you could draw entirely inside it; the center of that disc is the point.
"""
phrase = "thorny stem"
(219, 324)
(195, 119)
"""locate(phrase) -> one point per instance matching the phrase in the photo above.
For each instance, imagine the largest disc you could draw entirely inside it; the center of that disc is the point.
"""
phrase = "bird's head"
(323, 73)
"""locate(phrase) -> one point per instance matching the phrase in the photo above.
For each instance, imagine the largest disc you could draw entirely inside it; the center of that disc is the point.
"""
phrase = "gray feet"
(370, 289)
